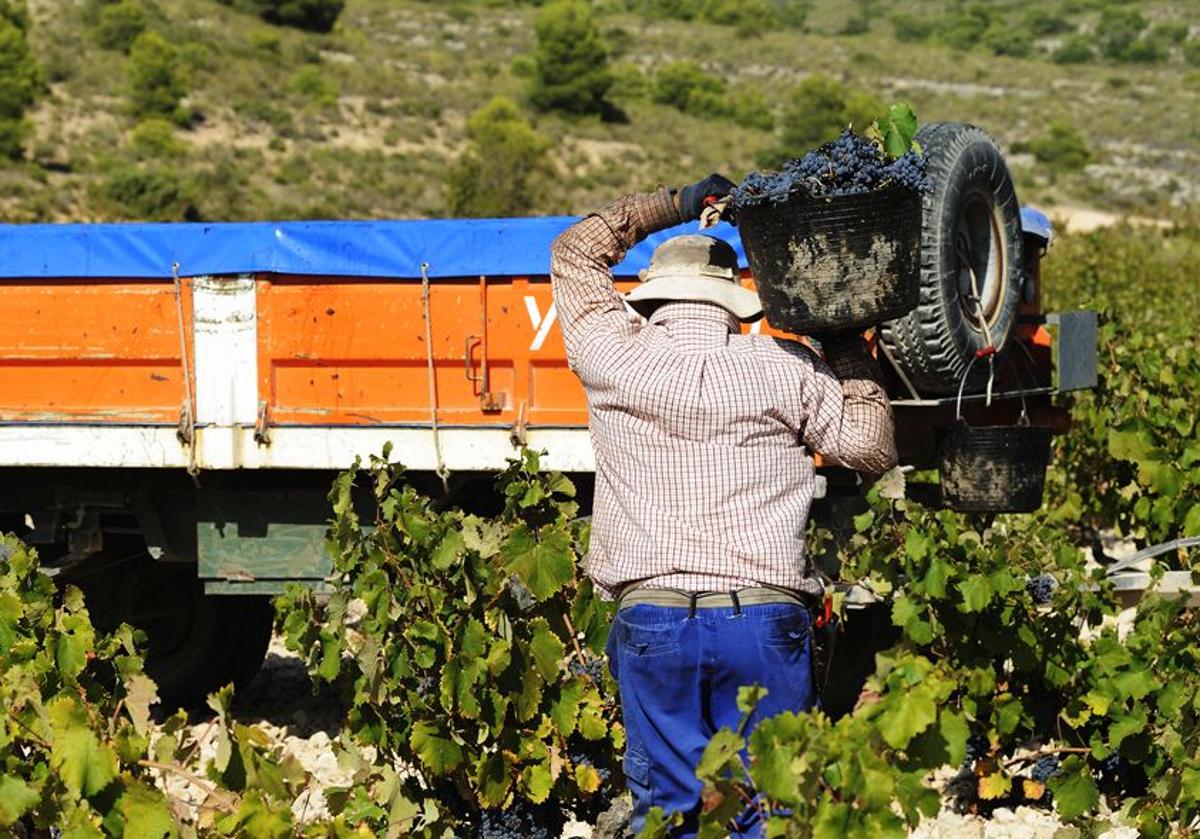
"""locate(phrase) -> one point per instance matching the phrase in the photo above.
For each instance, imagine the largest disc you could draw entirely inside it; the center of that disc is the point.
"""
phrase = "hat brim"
(742, 303)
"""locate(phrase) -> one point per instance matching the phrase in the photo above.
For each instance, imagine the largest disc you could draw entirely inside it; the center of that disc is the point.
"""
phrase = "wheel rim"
(979, 247)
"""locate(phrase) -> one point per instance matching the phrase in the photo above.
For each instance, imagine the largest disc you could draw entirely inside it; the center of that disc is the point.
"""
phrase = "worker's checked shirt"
(703, 436)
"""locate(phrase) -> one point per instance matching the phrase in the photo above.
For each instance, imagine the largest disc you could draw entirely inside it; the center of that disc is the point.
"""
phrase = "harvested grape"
(850, 165)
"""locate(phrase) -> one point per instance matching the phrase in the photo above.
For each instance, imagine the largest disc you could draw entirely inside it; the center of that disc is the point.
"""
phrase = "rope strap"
(188, 429)
(441, 470)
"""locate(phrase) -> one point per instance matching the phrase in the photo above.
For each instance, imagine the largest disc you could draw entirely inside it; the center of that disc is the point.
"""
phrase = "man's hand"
(691, 199)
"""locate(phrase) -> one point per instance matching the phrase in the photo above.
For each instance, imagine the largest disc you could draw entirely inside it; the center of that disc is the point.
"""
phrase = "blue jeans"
(679, 678)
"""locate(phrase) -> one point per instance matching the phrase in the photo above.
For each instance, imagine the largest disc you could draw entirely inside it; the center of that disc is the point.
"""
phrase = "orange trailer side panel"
(90, 350)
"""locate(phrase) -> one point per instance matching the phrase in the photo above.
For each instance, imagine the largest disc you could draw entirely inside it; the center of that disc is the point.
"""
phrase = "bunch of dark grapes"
(522, 820)
(1045, 768)
(977, 746)
(1041, 588)
(425, 685)
(849, 165)
(592, 669)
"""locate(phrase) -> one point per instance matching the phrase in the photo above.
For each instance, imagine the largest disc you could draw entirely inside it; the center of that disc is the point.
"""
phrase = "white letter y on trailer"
(542, 325)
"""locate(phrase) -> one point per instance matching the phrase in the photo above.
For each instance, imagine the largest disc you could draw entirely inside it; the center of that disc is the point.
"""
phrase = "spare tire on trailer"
(971, 230)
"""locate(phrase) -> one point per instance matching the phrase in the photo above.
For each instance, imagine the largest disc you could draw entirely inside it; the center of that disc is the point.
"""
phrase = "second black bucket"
(835, 262)
(993, 468)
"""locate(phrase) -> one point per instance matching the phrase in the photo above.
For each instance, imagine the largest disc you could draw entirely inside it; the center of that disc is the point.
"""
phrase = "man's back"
(703, 436)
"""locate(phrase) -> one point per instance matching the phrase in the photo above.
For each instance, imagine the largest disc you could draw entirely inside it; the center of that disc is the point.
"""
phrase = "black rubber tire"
(196, 643)
(973, 207)
(226, 642)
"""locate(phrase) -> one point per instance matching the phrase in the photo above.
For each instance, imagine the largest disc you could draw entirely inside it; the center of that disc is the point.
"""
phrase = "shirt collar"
(688, 312)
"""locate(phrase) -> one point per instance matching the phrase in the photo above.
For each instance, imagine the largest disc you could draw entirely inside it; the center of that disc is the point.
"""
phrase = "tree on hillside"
(497, 175)
(156, 78)
(570, 61)
(312, 15)
(1118, 30)
(819, 109)
(20, 78)
(119, 24)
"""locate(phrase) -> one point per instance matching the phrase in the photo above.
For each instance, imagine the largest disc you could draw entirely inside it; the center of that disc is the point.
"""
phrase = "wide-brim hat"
(695, 268)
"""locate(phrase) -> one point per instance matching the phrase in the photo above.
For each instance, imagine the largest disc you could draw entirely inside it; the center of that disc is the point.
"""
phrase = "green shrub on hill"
(498, 174)
(1012, 41)
(686, 86)
(1191, 52)
(1118, 30)
(1076, 49)
(570, 61)
(818, 109)
(157, 81)
(1042, 22)
(749, 17)
(315, 85)
(119, 24)
(964, 27)
(20, 80)
(150, 193)
(312, 15)
(912, 28)
(1062, 148)
(1170, 32)
(155, 138)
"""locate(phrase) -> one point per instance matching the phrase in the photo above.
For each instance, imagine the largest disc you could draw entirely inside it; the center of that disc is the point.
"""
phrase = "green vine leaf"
(85, 765)
(543, 561)
(16, 797)
(438, 753)
(547, 650)
(1074, 790)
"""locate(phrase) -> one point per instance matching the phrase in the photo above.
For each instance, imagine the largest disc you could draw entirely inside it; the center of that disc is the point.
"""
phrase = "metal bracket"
(262, 428)
(184, 431)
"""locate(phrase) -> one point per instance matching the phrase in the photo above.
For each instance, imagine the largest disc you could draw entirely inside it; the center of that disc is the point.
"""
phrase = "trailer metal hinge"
(262, 427)
(186, 430)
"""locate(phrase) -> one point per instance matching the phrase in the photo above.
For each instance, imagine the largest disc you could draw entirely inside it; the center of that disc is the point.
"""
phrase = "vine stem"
(192, 779)
(116, 713)
(32, 734)
(574, 641)
(198, 740)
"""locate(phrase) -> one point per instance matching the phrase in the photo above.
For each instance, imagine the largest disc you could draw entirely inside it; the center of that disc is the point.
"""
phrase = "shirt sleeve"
(581, 261)
(849, 414)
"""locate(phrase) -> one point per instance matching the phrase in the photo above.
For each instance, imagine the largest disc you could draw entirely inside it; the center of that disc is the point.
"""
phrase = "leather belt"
(692, 600)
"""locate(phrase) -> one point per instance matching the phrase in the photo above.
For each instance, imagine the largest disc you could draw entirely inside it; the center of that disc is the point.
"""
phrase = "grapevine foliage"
(1032, 688)
(80, 751)
(475, 660)
(1132, 459)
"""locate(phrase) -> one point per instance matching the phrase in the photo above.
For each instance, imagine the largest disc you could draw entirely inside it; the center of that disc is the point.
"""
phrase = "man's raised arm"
(582, 257)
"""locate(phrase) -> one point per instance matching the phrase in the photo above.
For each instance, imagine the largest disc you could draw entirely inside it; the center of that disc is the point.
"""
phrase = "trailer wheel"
(971, 224)
(196, 643)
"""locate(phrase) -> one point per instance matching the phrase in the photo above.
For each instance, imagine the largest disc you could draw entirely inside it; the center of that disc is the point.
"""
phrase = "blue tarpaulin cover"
(453, 248)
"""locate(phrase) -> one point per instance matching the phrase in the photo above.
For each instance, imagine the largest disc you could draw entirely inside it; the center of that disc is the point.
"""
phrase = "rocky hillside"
(368, 120)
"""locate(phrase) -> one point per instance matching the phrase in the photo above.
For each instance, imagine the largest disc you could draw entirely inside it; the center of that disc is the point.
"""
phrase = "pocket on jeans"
(645, 640)
(637, 779)
(787, 630)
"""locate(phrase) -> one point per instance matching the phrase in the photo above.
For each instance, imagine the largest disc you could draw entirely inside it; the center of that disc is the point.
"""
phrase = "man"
(704, 477)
